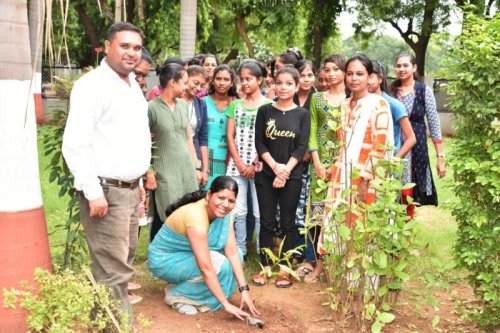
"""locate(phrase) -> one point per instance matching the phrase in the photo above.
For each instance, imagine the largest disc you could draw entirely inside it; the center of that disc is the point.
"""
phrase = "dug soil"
(299, 309)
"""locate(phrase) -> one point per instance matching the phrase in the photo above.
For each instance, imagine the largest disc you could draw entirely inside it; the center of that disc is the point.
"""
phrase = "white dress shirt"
(107, 132)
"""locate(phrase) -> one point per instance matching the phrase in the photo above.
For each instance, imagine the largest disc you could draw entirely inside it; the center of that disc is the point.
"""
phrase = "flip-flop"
(283, 278)
(259, 279)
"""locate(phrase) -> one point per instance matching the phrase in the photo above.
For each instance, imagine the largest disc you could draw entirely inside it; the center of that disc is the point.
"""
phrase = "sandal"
(303, 271)
(286, 278)
(259, 279)
(312, 277)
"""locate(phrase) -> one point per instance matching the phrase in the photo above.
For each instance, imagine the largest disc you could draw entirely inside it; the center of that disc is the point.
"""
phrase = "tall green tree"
(321, 24)
(415, 21)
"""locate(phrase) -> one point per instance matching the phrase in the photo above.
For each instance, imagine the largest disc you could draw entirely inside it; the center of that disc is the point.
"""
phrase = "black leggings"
(288, 198)
(157, 222)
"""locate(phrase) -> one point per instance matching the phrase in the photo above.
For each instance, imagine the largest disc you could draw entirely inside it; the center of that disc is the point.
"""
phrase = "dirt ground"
(298, 310)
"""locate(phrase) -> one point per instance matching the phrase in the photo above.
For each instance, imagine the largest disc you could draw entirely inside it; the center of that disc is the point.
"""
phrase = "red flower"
(98, 49)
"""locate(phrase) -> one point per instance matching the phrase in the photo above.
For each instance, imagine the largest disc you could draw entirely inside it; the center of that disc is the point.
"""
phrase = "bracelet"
(243, 288)
(205, 171)
(199, 169)
(440, 155)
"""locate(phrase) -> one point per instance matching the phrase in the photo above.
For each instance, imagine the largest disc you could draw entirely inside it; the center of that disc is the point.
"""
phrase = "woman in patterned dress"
(196, 252)
(174, 173)
(323, 104)
(420, 103)
(222, 92)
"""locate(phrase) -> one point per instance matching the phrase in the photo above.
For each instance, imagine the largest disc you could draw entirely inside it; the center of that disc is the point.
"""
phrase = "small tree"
(474, 63)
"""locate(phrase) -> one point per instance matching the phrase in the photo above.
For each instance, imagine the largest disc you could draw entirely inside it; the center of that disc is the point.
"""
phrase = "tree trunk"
(140, 9)
(23, 229)
(242, 29)
(118, 11)
(89, 30)
(420, 50)
(187, 45)
(233, 54)
(317, 47)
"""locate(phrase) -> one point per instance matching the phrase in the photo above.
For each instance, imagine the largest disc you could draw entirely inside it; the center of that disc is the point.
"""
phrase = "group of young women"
(213, 150)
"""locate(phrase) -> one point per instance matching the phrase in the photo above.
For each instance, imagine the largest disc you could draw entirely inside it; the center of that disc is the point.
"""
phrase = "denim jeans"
(240, 216)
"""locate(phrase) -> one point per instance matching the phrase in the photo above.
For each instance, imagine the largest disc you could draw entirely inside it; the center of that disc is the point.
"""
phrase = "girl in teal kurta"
(222, 91)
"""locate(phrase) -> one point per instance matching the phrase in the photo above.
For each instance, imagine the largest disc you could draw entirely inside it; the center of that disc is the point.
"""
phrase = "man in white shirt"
(107, 147)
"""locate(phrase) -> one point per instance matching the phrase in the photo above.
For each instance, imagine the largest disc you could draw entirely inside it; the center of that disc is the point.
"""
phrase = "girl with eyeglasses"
(198, 118)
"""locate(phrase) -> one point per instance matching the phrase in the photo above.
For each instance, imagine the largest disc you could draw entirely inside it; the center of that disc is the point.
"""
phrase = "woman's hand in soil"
(247, 300)
(240, 314)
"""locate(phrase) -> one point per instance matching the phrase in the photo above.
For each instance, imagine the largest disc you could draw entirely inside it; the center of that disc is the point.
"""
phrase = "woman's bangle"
(243, 288)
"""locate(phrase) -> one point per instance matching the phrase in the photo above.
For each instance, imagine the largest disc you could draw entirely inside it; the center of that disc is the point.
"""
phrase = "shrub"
(474, 63)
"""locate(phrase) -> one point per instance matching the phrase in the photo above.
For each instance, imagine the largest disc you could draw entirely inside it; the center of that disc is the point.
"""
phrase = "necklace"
(286, 108)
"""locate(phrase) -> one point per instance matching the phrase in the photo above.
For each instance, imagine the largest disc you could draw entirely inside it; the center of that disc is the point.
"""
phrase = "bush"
(474, 63)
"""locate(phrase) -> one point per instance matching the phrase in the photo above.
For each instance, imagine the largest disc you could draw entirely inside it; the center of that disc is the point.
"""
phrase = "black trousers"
(288, 198)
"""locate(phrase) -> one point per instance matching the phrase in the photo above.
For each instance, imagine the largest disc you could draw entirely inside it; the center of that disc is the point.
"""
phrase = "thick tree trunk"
(140, 9)
(420, 50)
(89, 30)
(187, 45)
(118, 11)
(233, 54)
(317, 47)
(242, 29)
(23, 230)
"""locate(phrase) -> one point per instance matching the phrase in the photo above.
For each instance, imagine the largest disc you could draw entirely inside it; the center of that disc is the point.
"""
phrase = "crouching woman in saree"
(196, 252)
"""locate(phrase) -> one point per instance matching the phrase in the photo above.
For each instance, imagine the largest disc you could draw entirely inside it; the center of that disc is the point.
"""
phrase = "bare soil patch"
(298, 309)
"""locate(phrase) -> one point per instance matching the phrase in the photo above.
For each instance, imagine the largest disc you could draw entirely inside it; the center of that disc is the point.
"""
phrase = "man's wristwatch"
(243, 288)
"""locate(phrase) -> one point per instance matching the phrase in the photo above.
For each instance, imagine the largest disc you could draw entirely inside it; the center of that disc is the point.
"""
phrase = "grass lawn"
(436, 229)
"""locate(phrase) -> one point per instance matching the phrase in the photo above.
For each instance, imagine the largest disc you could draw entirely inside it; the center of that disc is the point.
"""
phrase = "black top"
(307, 103)
(282, 134)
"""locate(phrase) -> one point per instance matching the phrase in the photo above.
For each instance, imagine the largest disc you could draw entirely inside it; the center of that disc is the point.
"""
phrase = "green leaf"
(380, 259)
(435, 321)
(385, 317)
(345, 232)
(377, 327)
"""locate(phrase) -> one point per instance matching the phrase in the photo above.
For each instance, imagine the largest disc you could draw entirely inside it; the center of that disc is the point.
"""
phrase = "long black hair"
(378, 69)
(223, 67)
(171, 71)
(219, 184)
(393, 89)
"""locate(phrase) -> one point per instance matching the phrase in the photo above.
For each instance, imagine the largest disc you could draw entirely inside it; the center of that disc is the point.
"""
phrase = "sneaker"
(133, 286)
(186, 309)
(134, 299)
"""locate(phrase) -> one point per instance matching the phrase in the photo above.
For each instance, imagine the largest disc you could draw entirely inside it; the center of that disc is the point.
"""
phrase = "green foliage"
(75, 246)
(64, 303)
(367, 260)
(476, 152)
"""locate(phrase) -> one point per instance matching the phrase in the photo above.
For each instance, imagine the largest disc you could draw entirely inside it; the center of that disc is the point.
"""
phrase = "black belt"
(109, 182)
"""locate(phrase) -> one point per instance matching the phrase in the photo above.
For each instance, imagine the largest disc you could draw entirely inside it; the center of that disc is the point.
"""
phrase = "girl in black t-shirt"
(281, 138)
